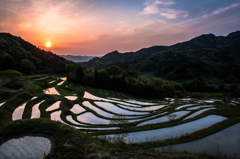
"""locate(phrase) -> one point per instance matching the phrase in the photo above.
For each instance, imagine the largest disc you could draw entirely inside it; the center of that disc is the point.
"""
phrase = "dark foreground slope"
(72, 143)
(18, 54)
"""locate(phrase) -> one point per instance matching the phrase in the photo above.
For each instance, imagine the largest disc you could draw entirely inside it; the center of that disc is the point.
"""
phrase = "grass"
(34, 88)
(7, 109)
(63, 90)
(72, 143)
(28, 108)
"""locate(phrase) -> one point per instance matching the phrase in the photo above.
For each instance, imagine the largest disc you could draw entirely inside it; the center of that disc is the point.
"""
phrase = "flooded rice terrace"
(149, 121)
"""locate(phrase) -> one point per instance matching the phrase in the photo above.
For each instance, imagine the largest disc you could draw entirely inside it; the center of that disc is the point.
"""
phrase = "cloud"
(203, 11)
(150, 10)
(159, 7)
(226, 8)
(221, 10)
(157, 2)
(101, 37)
(165, 3)
(173, 14)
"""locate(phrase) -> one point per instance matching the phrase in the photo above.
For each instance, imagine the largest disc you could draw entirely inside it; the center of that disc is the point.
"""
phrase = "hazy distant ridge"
(78, 58)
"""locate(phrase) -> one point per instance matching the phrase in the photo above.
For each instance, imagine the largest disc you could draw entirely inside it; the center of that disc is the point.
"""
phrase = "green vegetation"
(170, 61)
(205, 70)
(18, 54)
(126, 81)
(12, 78)
(71, 142)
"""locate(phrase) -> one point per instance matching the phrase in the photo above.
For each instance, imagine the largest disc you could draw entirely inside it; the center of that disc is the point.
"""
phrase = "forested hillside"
(222, 63)
(126, 81)
(115, 56)
(18, 54)
(204, 56)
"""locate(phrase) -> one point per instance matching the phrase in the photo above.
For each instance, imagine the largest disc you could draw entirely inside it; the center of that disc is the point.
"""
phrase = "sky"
(96, 27)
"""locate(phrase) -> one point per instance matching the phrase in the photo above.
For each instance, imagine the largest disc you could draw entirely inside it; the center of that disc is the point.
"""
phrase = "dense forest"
(221, 63)
(20, 55)
(203, 59)
(126, 81)
(205, 56)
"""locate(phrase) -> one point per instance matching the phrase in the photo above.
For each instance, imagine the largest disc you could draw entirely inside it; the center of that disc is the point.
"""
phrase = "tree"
(6, 61)
(27, 66)
(171, 117)
(120, 120)
(12, 78)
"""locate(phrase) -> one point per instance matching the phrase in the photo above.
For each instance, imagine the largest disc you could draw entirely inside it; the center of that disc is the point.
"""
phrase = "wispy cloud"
(173, 14)
(156, 2)
(101, 37)
(226, 8)
(221, 10)
(160, 8)
(151, 9)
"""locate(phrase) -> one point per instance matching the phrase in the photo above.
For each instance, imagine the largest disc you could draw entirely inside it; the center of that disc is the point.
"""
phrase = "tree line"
(127, 81)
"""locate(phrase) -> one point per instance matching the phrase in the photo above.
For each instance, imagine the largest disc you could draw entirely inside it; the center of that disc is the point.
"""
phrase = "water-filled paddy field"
(136, 121)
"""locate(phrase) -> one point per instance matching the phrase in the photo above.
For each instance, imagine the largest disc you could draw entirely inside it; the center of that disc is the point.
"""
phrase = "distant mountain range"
(78, 58)
(205, 41)
(206, 56)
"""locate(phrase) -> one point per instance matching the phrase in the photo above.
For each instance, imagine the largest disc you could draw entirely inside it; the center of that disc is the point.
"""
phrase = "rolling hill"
(207, 56)
(18, 54)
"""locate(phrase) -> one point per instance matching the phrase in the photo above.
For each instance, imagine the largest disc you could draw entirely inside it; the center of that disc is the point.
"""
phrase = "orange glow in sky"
(48, 44)
(94, 28)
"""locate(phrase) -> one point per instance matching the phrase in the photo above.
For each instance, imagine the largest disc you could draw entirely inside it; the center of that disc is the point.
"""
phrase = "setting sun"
(48, 44)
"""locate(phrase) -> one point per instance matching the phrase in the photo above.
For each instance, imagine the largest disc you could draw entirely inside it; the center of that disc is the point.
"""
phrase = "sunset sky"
(96, 27)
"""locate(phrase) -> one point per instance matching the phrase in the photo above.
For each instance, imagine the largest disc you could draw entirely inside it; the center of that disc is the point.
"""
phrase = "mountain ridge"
(204, 41)
(18, 54)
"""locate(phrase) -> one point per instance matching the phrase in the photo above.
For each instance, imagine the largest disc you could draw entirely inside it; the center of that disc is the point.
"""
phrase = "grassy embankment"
(34, 88)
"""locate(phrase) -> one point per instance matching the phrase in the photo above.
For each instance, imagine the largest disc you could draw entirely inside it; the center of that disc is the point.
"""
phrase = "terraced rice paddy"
(227, 146)
(1, 104)
(26, 147)
(144, 121)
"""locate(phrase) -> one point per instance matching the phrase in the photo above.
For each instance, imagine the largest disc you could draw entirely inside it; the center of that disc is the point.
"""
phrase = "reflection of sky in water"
(97, 110)
(76, 109)
(138, 102)
(18, 112)
(165, 118)
(200, 106)
(36, 111)
(71, 97)
(115, 109)
(54, 106)
(227, 141)
(2, 103)
(51, 81)
(175, 131)
(183, 106)
(91, 118)
(90, 96)
(208, 101)
(143, 108)
(197, 113)
(25, 147)
(51, 91)
(70, 119)
(64, 78)
(60, 83)
(56, 116)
